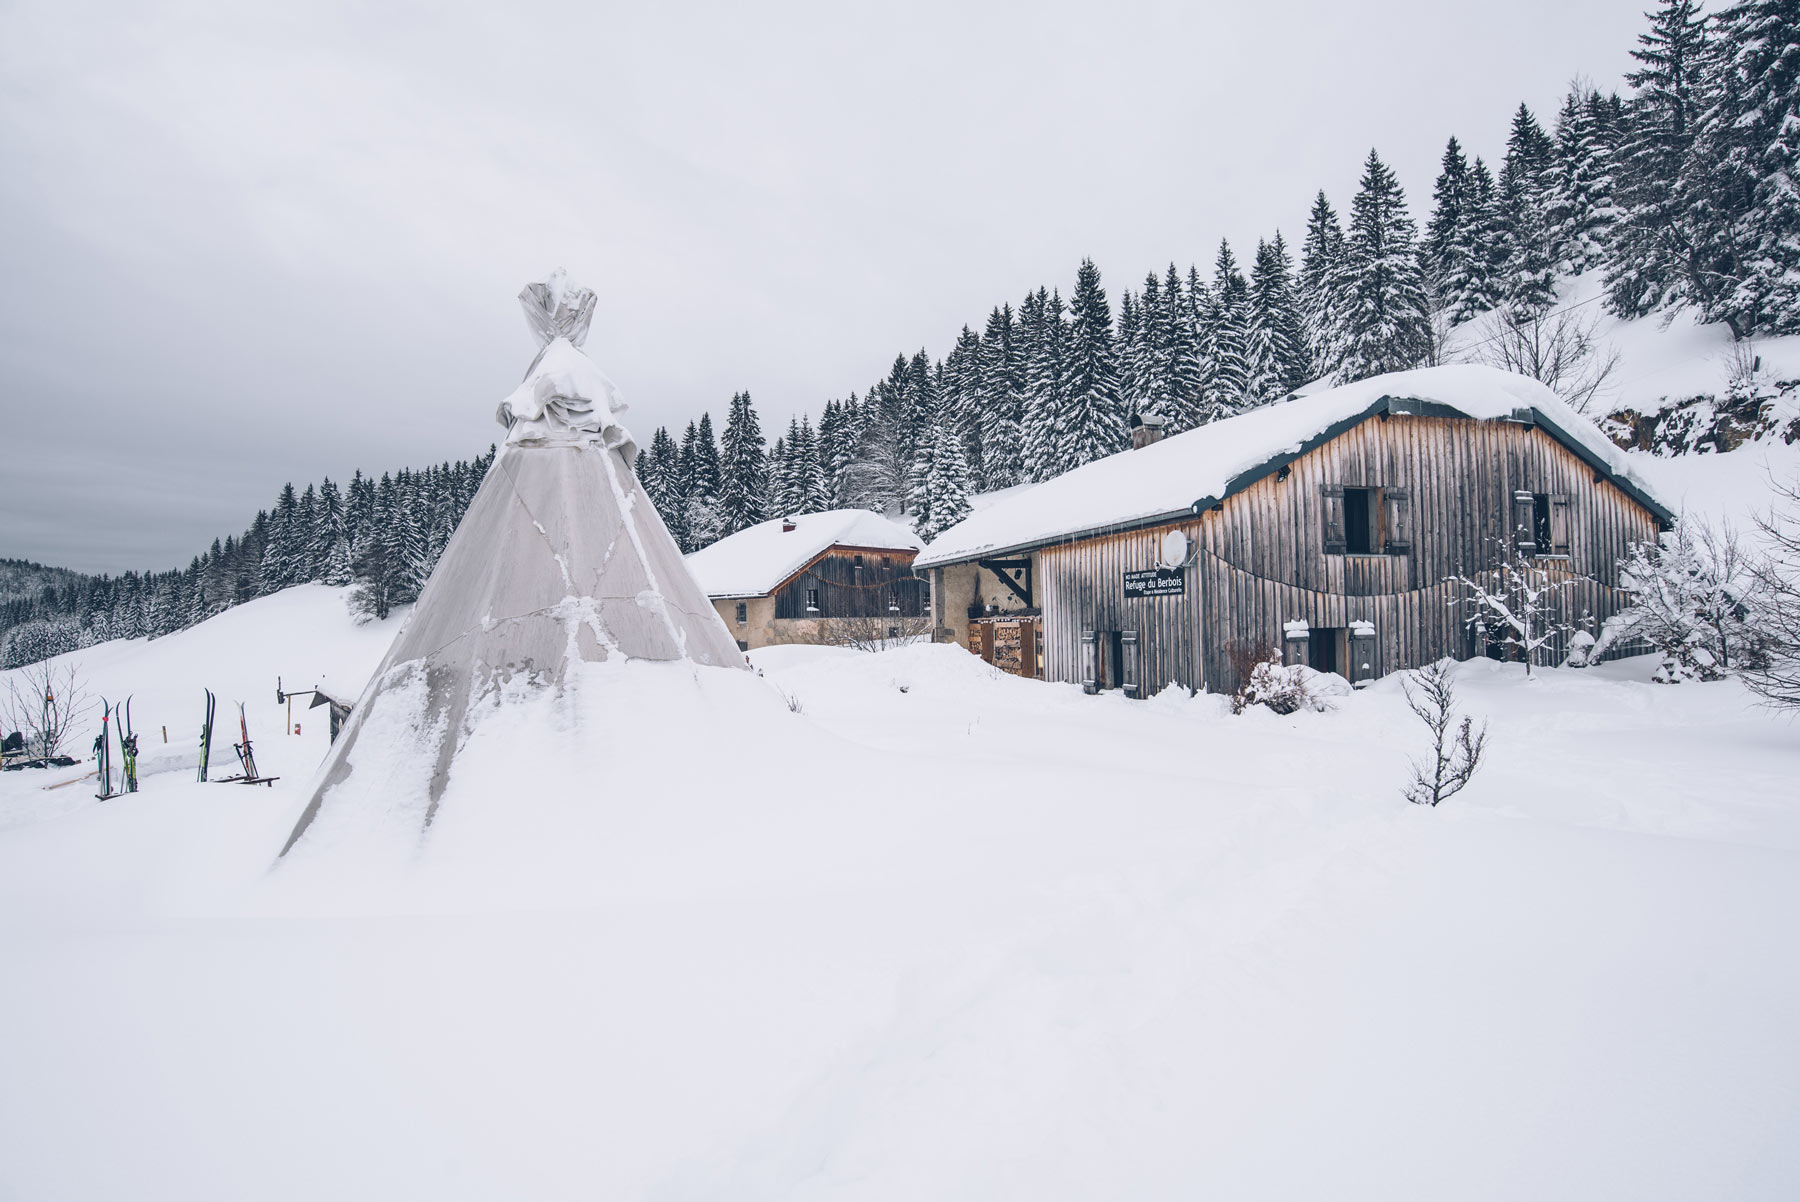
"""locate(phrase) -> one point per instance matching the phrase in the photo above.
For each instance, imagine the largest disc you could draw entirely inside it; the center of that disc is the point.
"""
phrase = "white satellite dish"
(1174, 549)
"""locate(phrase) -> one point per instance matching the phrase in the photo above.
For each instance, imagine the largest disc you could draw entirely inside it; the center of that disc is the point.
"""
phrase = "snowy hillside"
(895, 927)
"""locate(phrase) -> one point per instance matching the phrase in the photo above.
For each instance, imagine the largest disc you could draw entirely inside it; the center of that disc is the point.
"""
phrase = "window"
(856, 570)
(1359, 512)
(1365, 521)
(893, 632)
(1541, 524)
(743, 614)
(886, 562)
(812, 600)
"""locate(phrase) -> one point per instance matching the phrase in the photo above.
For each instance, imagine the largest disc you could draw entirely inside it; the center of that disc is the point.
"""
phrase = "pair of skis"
(118, 716)
(245, 752)
(206, 728)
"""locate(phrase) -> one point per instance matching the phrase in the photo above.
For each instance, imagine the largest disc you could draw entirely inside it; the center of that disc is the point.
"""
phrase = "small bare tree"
(44, 702)
(1777, 678)
(1455, 748)
(1560, 350)
(1514, 603)
(874, 633)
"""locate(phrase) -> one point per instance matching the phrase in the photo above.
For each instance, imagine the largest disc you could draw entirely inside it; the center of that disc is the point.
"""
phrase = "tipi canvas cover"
(561, 558)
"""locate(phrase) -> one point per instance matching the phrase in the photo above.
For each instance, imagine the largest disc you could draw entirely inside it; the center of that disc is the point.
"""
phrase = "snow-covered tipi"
(560, 558)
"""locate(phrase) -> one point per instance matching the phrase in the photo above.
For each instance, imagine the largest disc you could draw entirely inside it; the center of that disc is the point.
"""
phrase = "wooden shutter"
(1090, 664)
(1559, 525)
(1523, 519)
(1128, 670)
(1399, 530)
(1333, 496)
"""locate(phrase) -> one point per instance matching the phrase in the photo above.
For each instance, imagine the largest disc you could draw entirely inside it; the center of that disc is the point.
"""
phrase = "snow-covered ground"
(940, 933)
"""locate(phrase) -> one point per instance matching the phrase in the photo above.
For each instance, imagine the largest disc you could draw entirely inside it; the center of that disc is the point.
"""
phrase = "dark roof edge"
(1400, 406)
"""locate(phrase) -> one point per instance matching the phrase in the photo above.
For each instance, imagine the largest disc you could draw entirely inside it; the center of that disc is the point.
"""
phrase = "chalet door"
(1030, 648)
(1322, 649)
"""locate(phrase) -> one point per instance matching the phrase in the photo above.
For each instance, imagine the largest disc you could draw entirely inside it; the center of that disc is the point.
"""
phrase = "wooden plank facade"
(1355, 538)
(853, 582)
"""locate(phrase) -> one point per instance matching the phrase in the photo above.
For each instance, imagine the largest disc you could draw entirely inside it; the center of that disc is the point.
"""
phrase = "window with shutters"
(1541, 524)
(743, 613)
(1355, 520)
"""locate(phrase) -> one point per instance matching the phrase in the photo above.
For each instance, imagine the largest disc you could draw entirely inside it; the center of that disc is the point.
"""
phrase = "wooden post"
(165, 734)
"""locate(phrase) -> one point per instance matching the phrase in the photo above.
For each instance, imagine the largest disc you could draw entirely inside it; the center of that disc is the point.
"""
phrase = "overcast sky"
(239, 247)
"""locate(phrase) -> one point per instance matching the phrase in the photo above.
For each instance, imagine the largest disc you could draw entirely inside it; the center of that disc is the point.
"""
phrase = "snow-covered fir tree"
(1278, 358)
(1225, 332)
(1451, 200)
(944, 499)
(1090, 418)
(1528, 281)
(743, 467)
(1045, 334)
(1322, 285)
(1000, 401)
(1384, 323)
(1645, 270)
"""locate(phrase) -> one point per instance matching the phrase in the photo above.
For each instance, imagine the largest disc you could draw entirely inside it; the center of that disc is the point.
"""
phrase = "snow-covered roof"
(754, 562)
(1194, 470)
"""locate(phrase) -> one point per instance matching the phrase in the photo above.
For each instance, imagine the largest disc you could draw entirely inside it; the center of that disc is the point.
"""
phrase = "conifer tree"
(1278, 362)
(1528, 283)
(812, 492)
(1046, 335)
(780, 495)
(1181, 355)
(961, 389)
(1646, 269)
(1226, 329)
(1530, 153)
(1384, 325)
(1091, 417)
(1744, 197)
(945, 497)
(1323, 285)
(1000, 401)
(1450, 202)
(743, 468)
(1133, 386)
(1473, 287)
(1583, 211)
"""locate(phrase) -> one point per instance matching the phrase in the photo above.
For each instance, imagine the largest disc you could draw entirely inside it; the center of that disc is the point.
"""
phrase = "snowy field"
(938, 934)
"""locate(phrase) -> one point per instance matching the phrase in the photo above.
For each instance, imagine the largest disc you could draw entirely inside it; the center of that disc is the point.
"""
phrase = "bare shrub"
(873, 633)
(1777, 678)
(44, 702)
(1455, 749)
(1699, 599)
(1560, 350)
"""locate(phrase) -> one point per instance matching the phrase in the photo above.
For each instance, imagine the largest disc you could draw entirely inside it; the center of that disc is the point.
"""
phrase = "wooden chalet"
(1328, 526)
(814, 578)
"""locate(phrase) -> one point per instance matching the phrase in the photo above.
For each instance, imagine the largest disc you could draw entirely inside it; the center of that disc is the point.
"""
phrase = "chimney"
(787, 525)
(1146, 428)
